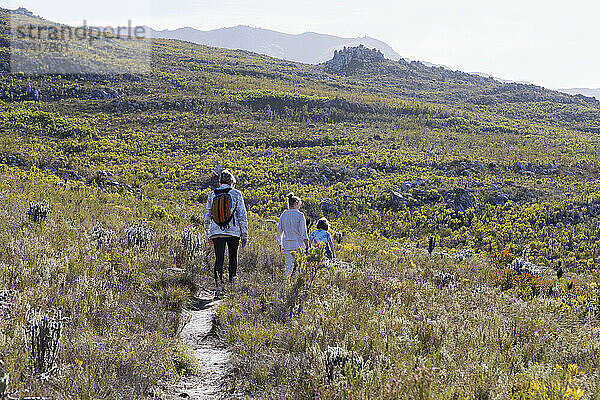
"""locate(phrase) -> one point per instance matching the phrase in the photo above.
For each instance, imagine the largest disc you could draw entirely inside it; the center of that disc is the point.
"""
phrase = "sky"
(549, 43)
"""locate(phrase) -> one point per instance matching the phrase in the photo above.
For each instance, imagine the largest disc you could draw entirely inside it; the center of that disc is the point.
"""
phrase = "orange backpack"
(221, 208)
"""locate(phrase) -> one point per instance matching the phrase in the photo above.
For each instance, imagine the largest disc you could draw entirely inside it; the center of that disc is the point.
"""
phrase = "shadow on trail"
(197, 304)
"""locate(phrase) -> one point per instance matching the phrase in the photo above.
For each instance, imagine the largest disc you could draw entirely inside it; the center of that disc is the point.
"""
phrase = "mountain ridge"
(588, 92)
(306, 47)
(306, 54)
(402, 78)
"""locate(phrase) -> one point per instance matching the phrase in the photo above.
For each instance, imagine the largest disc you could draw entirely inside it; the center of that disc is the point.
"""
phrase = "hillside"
(350, 141)
(500, 178)
(347, 140)
(308, 47)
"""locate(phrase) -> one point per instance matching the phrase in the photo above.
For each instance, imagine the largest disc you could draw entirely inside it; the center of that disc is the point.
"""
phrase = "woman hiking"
(291, 233)
(226, 224)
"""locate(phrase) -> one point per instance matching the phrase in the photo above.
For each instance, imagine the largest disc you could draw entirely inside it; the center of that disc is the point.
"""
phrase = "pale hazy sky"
(547, 42)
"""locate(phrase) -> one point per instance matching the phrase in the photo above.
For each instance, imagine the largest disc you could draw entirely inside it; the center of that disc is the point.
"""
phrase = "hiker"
(291, 233)
(321, 235)
(226, 224)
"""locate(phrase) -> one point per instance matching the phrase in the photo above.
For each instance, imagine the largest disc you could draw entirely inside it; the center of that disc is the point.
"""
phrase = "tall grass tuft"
(191, 241)
(431, 245)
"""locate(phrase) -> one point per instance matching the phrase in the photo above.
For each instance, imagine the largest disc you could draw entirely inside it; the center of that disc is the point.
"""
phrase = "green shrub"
(184, 361)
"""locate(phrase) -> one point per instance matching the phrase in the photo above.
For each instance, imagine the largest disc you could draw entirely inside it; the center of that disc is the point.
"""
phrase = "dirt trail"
(211, 353)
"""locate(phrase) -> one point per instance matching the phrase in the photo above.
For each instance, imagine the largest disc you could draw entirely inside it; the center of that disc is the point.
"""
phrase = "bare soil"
(211, 353)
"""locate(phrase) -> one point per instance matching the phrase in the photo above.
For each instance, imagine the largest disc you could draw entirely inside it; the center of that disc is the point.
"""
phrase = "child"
(322, 236)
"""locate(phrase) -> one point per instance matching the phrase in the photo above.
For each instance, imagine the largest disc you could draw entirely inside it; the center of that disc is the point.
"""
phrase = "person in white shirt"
(291, 233)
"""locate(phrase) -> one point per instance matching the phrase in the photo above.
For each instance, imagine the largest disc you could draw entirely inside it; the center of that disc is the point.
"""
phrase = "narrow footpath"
(212, 355)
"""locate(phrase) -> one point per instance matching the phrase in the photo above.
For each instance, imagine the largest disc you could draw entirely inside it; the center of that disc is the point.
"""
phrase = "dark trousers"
(232, 243)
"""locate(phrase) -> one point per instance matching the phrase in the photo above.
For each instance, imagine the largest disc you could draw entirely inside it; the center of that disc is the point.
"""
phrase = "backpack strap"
(221, 191)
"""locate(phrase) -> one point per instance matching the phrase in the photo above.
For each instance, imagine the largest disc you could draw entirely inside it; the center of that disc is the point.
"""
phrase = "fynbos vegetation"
(101, 236)
(43, 332)
(138, 234)
(38, 212)
(438, 179)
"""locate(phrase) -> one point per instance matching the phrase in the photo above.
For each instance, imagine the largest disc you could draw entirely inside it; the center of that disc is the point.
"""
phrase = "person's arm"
(242, 219)
(303, 233)
(279, 237)
(207, 214)
(332, 249)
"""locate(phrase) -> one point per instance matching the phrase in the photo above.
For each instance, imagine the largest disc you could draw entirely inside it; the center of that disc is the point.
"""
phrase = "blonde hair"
(227, 177)
(292, 200)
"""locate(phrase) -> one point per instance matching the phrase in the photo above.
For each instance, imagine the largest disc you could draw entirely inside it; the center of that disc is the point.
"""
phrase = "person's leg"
(233, 243)
(219, 244)
(289, 264)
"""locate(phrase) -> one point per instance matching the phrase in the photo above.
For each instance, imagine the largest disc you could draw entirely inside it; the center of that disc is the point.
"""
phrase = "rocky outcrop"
(398, 200)
(104, 94)
(499, 199)
(354, 59)
(17, 92)
(23, 11)
(123, 105)
(15, 160)
(460, 200)
(328, 207)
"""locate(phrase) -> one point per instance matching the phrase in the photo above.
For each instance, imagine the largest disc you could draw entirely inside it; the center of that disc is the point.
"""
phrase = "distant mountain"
(584, 91)
(308, 47)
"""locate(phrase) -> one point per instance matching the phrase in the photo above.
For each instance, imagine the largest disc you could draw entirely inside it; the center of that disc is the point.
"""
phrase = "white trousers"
(289, 264)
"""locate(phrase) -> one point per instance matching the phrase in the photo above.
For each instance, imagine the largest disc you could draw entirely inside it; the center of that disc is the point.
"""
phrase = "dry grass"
(413, 337)
(122, 303)
(399, 323)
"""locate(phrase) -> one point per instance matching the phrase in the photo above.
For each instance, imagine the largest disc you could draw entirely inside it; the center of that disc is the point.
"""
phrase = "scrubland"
(497, 175)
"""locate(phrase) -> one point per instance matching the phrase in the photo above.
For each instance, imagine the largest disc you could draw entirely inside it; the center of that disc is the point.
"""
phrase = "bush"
(139, 235)
(523, 285)
(102, 236)
(174, 296)
(43, 331)
(158, 212)
(559, 384)
(39, 212)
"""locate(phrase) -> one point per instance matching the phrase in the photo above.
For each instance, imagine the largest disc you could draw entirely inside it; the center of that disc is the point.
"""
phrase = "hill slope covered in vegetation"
(394, 153)
(386, 148)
